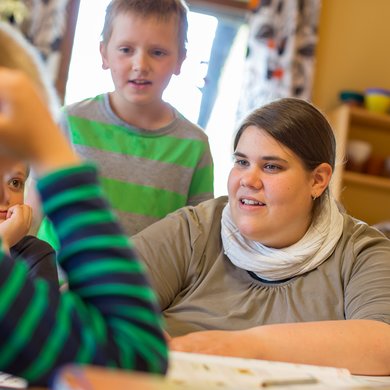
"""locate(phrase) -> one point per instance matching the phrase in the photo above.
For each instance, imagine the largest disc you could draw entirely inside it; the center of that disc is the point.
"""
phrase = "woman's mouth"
(251, 202)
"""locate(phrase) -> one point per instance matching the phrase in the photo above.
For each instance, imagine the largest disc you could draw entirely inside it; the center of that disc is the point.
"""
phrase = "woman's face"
(269, 190)
(13, 182)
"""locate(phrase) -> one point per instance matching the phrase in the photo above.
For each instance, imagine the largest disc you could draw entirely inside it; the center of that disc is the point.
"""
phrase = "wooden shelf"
(364, 196)
(369, 118)
(367, 180)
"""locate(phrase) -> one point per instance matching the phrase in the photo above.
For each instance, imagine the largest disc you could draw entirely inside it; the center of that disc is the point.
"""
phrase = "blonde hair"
(17, 53)
(161, 9)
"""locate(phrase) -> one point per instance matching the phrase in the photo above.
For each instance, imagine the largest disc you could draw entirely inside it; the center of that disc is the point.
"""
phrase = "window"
(210, 76)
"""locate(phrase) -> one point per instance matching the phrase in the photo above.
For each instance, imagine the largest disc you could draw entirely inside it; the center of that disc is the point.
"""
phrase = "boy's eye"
(124, 50)
(159, 53)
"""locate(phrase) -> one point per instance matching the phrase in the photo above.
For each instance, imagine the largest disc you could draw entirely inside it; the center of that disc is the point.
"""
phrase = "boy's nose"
(140, 62)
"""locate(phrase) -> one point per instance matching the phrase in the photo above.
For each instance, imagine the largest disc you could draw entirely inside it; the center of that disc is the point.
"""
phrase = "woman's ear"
(321, 178)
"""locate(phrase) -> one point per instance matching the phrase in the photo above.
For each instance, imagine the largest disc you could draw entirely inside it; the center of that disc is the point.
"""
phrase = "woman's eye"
(272, 167)
(240, 162)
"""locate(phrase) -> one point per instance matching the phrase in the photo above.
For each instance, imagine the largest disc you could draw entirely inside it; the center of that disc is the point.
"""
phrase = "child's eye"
(16, 184)
(125, 50)
(159, 53)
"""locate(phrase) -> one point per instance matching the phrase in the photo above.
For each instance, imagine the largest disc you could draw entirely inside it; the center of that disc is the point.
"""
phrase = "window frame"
(72, 11)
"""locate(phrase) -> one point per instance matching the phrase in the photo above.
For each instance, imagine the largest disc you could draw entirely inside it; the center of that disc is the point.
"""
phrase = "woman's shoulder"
(359, 229)
(207, 211)
(191, 222)
(361, 236)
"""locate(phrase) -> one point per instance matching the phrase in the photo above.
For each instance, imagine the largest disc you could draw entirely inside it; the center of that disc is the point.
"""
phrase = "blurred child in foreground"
(108, 316)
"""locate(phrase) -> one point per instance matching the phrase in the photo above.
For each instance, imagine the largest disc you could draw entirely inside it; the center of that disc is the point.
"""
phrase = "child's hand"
(16, 225)
(22, 114)
(27, 130)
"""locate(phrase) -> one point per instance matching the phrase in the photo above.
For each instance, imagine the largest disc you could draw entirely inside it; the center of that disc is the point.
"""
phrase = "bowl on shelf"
(377, 100)
(358, 153)
(353, 98)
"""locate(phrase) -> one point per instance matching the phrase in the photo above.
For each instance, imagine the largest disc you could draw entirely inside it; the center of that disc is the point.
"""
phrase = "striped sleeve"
(202, 182)
(108, 317)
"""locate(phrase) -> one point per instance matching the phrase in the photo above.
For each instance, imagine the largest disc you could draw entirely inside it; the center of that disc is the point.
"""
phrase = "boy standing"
(152, 160)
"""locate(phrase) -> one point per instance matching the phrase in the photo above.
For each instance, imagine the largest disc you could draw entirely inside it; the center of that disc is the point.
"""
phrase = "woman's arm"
(362, 346)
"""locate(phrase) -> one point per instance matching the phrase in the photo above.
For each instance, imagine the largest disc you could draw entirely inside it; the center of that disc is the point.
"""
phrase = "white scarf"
(278, 264)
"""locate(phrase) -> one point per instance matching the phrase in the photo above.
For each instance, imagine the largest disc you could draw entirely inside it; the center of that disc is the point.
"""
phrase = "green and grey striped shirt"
(145, 174)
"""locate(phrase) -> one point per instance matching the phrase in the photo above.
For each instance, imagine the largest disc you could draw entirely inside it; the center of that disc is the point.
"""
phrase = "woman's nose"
(251, 178)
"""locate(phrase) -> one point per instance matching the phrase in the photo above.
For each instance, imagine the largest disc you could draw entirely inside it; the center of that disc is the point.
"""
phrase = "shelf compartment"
(367, 180)
(366, 197)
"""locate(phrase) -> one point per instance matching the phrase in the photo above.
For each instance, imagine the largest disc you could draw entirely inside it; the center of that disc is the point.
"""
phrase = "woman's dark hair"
(298, 125)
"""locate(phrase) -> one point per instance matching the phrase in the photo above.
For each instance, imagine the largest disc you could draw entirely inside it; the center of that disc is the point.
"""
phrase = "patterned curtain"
(44, 28)
(43, 23)
(280, 56)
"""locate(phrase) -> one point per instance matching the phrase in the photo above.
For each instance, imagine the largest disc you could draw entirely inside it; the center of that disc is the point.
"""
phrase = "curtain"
(45, 27)
(280, 53)
(43, 23)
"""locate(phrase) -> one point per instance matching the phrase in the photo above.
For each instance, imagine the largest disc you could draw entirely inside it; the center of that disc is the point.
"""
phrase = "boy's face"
(142, 54)
(12, 188)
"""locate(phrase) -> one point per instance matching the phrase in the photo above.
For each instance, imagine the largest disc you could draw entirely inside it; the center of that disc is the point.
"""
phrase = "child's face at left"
(142, 54)
(12, 188)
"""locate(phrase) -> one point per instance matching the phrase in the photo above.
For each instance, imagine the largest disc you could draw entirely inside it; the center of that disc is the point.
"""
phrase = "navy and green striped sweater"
(109, 315)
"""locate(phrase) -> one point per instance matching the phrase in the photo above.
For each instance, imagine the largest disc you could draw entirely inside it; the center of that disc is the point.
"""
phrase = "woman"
(276, 271)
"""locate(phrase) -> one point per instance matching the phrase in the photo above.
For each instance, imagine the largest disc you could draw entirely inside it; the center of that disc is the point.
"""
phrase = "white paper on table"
(226, 373)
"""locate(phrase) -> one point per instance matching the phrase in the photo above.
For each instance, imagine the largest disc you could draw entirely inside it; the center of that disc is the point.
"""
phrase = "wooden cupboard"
(365, 196)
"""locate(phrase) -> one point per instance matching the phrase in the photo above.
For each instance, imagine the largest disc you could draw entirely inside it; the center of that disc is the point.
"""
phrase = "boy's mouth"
(140, 82)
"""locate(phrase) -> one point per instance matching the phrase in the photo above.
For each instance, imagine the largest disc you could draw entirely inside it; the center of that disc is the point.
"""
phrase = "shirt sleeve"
(109, 315)
(40, 258)
(166, 249)
(202, 183)
(367, 292)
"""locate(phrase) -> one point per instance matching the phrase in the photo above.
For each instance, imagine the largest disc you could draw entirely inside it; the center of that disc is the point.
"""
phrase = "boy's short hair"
(161, 9)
